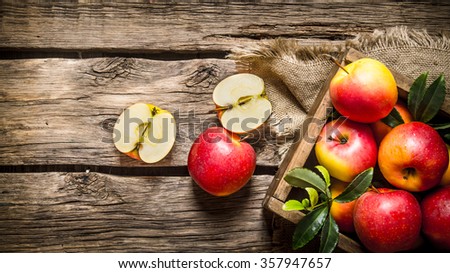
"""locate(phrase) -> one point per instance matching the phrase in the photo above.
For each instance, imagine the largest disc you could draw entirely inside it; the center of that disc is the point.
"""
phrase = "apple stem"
(244, 138)
(374, 189)
(336, 62)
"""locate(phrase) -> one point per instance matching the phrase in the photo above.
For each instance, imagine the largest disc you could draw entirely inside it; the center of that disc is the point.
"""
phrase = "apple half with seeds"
(145, 132)
(241, 102)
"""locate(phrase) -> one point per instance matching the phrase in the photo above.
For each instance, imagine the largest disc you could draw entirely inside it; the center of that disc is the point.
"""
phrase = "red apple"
(346, 148)
(436, 217)
(220, 163)
(413, 157)
(388, 220)
(342, 212)
(380, 129)
(365, 91)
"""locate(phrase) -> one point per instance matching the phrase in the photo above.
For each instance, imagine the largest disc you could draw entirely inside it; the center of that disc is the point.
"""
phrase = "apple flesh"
(365, 91)
(241, 102)
(145, 132)
(220, 163)
(342, 212)
(436, 217)
(388, 220)
(346, 148)
(413, 157)
(380, 129)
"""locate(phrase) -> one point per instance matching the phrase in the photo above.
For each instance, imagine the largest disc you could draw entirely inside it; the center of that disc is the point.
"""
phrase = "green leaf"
(357, 187)
(309, 226)
(432, 100)
(325, 174)
(329, 236)
(393, 119)
(416, 93)
(293, 205)
(447, 138)
(303, 178)
(440, 126)
(313, 196)
(306, 203)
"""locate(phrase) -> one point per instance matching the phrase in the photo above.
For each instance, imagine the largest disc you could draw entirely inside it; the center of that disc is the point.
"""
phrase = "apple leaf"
(432, 100)
(447, 138)
(329, 236)
(357, 187)
(393, 119)
(313, 196)
(303, 178)
(309, 226)
(416, 93)
(442, 126)
(293, 205)
(306, 203)
(325, 174)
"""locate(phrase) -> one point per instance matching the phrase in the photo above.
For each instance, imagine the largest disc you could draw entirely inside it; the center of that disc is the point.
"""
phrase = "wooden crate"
(301, 152)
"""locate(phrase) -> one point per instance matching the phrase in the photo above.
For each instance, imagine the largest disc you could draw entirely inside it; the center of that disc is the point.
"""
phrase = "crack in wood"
(114, 170)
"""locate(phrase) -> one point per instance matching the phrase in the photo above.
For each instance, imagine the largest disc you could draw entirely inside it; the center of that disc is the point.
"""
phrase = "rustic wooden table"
(67, 71)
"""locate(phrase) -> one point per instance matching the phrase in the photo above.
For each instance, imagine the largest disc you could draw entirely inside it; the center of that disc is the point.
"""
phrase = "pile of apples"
(412, 157)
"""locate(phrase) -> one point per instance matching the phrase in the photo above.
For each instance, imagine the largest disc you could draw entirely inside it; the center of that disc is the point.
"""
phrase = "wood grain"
(91, 212)
(201, 28)
(62, 111)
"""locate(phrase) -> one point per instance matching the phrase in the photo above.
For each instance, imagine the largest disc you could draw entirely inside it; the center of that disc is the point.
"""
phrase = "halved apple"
(145, 132)
(241, 102)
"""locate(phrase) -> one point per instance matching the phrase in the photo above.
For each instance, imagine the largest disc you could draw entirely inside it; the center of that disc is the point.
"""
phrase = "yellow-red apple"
(220, 163)
(413, 157)
(365, 91)
(346, 148)
(342, 212)
(387, 220)
(436, 217)
(380, 129)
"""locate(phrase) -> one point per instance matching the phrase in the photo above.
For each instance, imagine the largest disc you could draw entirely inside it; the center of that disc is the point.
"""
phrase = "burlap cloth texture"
(294, 74)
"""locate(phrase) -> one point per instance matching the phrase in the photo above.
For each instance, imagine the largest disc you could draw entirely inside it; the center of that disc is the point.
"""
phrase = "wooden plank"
(92, 212)
(202, 28)
(62, 111)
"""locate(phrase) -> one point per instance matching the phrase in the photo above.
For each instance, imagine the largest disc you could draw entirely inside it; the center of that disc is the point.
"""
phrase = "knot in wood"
(204, 76)
(108, 124)
(110, 69)
(91, 186)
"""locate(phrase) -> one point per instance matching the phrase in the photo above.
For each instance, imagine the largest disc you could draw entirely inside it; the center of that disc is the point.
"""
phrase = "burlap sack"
(294, 74)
